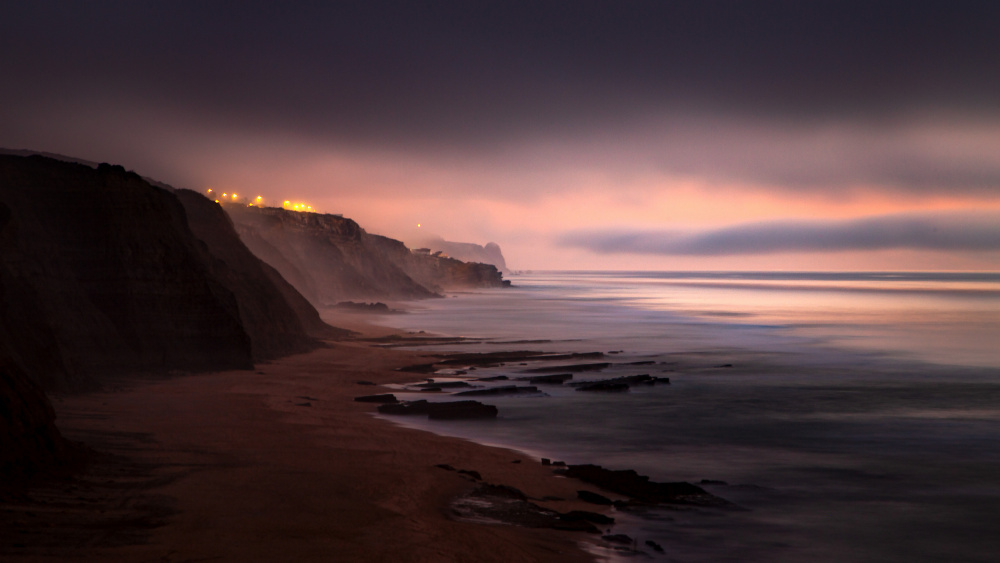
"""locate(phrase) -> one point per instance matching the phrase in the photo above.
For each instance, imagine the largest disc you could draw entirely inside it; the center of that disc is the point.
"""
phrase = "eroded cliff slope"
(329, 258)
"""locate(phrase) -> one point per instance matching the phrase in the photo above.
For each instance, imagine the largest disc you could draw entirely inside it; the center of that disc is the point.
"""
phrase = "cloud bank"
(949, 232)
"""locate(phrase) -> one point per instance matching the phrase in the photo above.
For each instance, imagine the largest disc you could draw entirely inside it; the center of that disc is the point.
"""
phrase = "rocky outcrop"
(330, 259)
(442, 273)
(468, 252)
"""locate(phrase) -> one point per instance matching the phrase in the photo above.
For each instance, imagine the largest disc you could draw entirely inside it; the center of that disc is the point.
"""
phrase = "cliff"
(274, 314)
(329, 258)
(102, 274)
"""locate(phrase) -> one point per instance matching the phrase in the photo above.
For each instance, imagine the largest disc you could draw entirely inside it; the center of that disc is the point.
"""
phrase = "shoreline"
(277, 463)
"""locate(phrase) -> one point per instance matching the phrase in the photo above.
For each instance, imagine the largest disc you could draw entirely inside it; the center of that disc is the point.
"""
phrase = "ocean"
(849, 416)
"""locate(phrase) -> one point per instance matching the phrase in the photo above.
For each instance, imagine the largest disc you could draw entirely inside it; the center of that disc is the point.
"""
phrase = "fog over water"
(854, 416)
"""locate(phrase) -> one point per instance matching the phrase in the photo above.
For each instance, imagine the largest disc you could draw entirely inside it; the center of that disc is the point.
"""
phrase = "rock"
(597, 366)
(441, 411)
(405, 408)
(655, 546)
(593, 517)
(383, 398)
(474, 474)
(494, 378)
(605, 386)
(554, 379)
(621, 539)
(546, 461)
(461, 410)
(504, 390)
(628, 380)
(442, 384)
(639, 487)
(445, 466)
(364, 383)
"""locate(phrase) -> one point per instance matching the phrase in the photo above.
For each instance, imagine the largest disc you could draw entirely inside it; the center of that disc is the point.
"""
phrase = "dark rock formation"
(330, 259)
(554, 379)
(385, 398)
(616, 383)
(620, 539)
(441, 411)
(629, 483)
(587, 516)
(103, 275)
(502, 390)
(604, 386)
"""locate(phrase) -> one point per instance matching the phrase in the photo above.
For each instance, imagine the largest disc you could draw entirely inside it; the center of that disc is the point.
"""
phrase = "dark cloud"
(948, 232)
(471, 77)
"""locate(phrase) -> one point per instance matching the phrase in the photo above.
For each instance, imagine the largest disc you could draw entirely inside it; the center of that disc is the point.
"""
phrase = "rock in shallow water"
(441, 411)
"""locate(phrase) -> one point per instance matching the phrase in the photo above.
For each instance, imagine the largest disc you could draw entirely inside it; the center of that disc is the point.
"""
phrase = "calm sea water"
(854, 416)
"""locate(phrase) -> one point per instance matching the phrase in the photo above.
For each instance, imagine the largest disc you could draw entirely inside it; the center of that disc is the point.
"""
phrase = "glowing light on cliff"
(296, 206)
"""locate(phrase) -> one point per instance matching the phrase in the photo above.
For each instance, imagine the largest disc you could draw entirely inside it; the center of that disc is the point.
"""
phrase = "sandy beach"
(274, 464)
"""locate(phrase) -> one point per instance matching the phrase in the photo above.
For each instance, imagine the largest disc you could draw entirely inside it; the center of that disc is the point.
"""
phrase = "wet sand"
(274, 464)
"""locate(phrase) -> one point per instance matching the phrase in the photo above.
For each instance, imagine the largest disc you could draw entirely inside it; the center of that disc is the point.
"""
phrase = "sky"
(668, 135)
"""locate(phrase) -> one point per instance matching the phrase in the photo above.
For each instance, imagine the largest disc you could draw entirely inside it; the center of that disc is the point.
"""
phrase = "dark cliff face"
(103, 275)
(326, 257)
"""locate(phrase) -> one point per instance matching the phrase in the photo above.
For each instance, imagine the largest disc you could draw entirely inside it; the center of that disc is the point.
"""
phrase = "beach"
(277, 463)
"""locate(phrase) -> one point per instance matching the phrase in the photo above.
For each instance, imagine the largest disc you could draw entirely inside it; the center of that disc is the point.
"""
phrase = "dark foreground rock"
(441, 411)
(638, 487)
